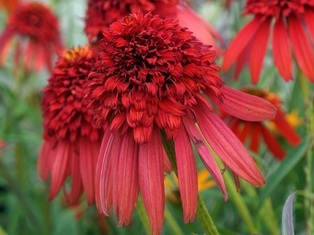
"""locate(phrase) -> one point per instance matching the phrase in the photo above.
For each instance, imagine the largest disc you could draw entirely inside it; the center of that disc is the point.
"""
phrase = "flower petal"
(227, 146)
(238, 44)
(152, 181)
(309, 19)
(273, 144)
(187, 174)
(245, 106)
(302, 48)
(258, 50)
(281, 50)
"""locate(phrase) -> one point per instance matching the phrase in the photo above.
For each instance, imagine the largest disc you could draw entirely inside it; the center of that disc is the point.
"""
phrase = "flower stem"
(140, 209)
(308, 168)
(239, 203)
(175, 228)
(202, 213)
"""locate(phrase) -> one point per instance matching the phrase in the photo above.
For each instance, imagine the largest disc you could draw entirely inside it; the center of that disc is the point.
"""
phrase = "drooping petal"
(286, 130)
(205, 154)
(88, 159)
(256, 137)
(273, 144)
(151, 180)
(281, 50)
(309, 19)
(187, 174)
(302, 48)
(45, 160)
(127, 178)
(227, 146)
(258, 50)
(238, 44)
(59, 168)
(245, 106)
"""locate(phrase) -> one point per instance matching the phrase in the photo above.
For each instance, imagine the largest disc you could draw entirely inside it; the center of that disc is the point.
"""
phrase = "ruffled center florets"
(64, 109)
(277, 8)
(149, 70)
(36, 21)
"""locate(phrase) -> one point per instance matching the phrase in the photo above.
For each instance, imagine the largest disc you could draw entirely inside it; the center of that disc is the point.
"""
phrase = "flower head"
(38, 35)
(101, 13)
(71, 140)
(292, 22)
(153, 76)
(268, 130)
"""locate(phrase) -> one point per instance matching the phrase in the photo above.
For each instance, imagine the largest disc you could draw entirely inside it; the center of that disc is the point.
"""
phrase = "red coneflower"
(101, 13)
(38, 31)
(151, 76)
(291, 21)
(255, 131)
(71, 140)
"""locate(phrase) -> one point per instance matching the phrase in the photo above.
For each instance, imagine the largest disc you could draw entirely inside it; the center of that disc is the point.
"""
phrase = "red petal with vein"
(273, 144)
(238, 44)
(302, 47)
(227, 146)
(59, 168)
(103, 168)
(309, 19)
(201, 29)
(281, 50)
(245, 106)
(127, 178)
(88, 159)
(258, 50)
(151, 180)
(245, 132)
(187, 174)
(286, 130)
(256, 137)
(167, 163)
(205, 154)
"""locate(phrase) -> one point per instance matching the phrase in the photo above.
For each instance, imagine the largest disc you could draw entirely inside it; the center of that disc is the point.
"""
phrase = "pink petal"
(281, 50)
(302, 48)
(127, 178)
(187, 174)
(152, 181)
(89, 151)
(245, 106)
(227, 146)
(205, 154)
(59, 168)
(258, 50)
(240, 42)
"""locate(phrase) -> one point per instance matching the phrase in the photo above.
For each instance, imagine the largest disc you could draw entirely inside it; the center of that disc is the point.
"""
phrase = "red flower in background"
(38, 34)
(101, 13)
(292, 23)
(149, 77)
(71, 140)
(9, 5)
(255, 131)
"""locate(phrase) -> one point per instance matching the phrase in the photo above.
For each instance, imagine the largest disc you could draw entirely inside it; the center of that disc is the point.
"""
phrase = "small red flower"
(153, 76)
(71, 140)
(101, 13)
(292, 23)
(255, 131)
(38, 34)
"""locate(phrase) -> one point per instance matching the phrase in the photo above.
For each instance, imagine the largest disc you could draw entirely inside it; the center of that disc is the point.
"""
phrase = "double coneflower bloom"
(154, 80)
(101, 13)
(38, 37)
(292, 24)
(254, 132)
(71, 140)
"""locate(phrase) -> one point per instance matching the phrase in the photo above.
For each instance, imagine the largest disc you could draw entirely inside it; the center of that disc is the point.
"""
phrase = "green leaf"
(286, 166)
(287, 216)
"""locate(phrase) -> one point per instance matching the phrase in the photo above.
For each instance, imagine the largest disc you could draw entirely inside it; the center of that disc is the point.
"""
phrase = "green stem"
(202, 213)
(308, 168)
(175, 228)
(239, 203)
(140, 209)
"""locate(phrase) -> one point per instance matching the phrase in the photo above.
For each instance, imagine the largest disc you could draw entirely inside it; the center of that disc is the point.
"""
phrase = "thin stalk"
(175, 228)
(140, 209)
(202, 213)
(308, 168)
(239, 203)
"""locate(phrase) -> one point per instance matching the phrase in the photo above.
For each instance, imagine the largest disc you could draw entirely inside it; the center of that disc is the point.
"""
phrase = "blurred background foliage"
(24, 204)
